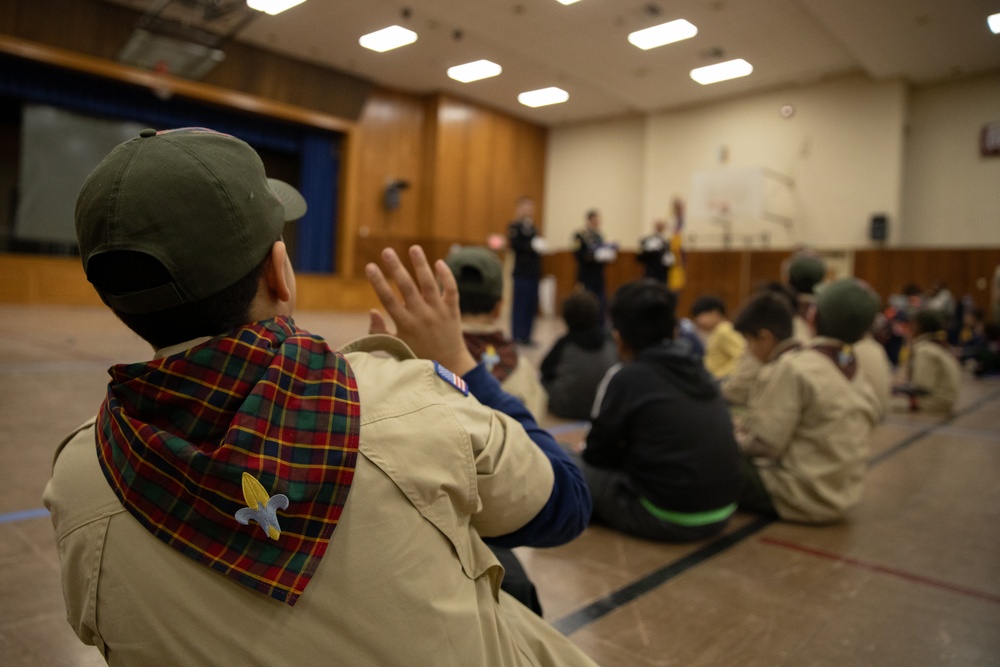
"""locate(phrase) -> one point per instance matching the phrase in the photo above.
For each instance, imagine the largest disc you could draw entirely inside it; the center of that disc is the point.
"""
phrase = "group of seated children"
(664, 457)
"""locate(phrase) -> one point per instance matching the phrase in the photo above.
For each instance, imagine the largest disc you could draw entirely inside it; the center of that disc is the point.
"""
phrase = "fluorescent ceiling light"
(474, 71)
(543, 97)
(994, 23)
(387, 39)
(731, 69)
(273, 7)
(665, 33)
(567, 2)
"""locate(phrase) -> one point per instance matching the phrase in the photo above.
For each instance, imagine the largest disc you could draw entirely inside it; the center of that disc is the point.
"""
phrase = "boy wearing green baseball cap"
(806, 434)
(250, 496)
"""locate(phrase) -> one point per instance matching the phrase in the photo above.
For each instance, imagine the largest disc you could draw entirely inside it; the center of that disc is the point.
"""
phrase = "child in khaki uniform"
(251, 496)
(479, 275)
(807, 432)
(934, 372)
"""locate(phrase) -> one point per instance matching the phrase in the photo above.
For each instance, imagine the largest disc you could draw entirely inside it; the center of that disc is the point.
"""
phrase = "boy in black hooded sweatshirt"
(661, 460)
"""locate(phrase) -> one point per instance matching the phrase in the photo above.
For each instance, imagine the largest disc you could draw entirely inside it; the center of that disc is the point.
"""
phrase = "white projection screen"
(59, 149)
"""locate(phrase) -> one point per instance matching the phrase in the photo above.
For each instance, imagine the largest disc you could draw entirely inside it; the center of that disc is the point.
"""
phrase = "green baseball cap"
(478, 272)
(196, 200)
(846, 309)
(805, 272)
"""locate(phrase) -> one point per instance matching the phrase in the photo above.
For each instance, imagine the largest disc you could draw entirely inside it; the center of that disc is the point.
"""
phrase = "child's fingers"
(425, 277)
(449, 288)
(376, 324)
(407, 288)
(384, 292)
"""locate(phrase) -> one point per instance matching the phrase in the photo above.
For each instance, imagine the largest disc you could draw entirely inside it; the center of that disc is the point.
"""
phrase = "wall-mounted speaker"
(879, 229)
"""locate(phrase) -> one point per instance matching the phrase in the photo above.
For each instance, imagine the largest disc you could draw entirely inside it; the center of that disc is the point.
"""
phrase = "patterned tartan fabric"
(493, 349)
(175, 436)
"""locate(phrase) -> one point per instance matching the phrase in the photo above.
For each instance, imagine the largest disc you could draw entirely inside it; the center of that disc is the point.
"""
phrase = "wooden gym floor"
(912, 579)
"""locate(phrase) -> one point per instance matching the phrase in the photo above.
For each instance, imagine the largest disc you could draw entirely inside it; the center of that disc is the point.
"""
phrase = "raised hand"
(427, 316)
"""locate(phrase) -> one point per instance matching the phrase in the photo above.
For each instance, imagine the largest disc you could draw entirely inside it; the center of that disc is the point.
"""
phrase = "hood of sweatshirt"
(678, 361)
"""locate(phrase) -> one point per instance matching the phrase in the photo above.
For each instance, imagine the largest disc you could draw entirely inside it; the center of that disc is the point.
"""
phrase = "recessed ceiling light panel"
(273, 7)
(731, 69)
(387, 39)
(567, 2)
(994, 23)
(665, 33)
(543, 97)
(474, 71)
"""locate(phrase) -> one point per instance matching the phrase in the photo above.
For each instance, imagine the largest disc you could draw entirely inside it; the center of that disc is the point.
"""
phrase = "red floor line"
(874, 567)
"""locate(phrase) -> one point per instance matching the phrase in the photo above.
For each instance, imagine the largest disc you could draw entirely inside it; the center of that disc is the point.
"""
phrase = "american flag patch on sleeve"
(452, 379)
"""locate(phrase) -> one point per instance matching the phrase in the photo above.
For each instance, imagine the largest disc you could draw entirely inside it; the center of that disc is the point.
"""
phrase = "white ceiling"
(583, 49)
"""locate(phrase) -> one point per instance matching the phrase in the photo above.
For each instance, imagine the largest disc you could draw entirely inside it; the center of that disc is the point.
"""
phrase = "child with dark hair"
(661, 460)
(934, 372)
(575, 365)
(248, 468)
(806, 433)
(723, 346)
(739, 384)
(479, 275)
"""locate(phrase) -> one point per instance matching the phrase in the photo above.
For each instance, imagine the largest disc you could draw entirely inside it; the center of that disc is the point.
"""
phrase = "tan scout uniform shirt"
(814, 427)
(406, 580)
(935, 369)
(740, 383)
(874, 364)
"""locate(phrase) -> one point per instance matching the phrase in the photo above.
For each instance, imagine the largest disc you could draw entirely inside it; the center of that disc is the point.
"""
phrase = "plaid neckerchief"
(178, 437)
(494, 350)
(840, 353)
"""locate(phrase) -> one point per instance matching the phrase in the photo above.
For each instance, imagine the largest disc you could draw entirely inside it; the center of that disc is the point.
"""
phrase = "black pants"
(515, 580)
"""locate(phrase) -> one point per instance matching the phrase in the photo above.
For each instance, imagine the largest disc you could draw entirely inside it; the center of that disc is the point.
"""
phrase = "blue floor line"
(566, 428)
(24, 515)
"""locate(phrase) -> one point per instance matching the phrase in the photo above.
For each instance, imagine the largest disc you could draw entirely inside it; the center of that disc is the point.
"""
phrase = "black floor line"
(599, 608)
(930, 428)
(595, 610)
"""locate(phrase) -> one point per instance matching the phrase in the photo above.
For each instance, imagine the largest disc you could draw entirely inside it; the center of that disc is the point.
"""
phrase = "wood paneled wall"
(465, 165)
(733, 275)
(966, 271)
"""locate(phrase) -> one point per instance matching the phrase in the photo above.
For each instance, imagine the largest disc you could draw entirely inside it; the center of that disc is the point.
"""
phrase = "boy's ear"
(276, 275)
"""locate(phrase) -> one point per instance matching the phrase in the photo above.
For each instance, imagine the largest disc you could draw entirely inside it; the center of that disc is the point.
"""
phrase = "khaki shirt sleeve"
(775, 410)
(737, 387)
(514, 478)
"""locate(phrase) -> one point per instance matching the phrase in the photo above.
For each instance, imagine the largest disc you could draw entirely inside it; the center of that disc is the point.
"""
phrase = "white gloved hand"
(605, 254)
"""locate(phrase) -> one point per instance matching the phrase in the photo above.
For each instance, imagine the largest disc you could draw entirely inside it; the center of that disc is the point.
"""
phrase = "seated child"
(807, 431)
(738, 386)
(934, 373)
(479, 275)
(805, 273)
(987, 359)
(874, 364)
(723, 346)
(971, 335)
(576, 364)
(661, 460)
